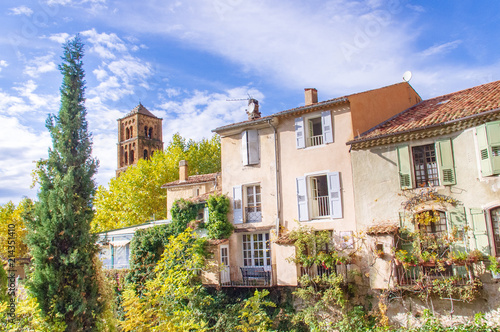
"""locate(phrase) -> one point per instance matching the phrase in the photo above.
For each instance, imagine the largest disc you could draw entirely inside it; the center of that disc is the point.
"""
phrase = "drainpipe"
(276, 162)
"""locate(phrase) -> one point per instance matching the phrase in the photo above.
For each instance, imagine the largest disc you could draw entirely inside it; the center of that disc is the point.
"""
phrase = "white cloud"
(40, 65)
(204, 111)
(16, 163)
(3, 64)
(59, 37)
(441, 49)
(105, 45)
(22, 10)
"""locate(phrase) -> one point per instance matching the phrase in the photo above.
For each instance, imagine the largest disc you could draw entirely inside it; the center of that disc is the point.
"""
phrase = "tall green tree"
(137, 194)
(64, 280)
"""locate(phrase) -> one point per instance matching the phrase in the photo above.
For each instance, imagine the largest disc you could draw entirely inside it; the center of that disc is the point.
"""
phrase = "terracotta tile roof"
(193, 179)
(203, 197)
(217, 242)
(439, 111)
(142, 110)
(387, 228)
(284, 239)
(289, 111)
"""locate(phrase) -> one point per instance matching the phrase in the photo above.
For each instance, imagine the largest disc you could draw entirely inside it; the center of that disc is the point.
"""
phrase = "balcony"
(320, 206)
(315, 140)
(424, 275)
(319, 271)
(246, 276)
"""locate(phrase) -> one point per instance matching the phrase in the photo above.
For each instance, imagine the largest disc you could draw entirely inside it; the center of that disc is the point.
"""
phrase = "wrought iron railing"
(246, 276)
(253, 214)
(320, 270)
(420, 274)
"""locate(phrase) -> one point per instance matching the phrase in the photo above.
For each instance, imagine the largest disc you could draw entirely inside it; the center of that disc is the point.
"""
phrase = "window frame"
(488, 144)
(248, 253)
(444, 160)
(240, 203)
(303, 132)
(250, 147)
(304, 196)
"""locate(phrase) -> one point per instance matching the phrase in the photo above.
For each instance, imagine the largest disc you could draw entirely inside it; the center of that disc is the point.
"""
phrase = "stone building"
(139, 136)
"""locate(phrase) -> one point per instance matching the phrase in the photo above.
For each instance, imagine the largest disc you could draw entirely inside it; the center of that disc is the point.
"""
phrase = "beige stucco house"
(447, 147)
(293, 168)
(194, 188)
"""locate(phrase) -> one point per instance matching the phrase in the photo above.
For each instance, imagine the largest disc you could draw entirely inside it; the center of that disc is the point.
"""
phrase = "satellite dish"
(407, 76)
(251, 107)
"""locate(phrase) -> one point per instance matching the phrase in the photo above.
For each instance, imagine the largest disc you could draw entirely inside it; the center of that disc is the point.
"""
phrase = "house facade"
(293, 168)
(439, 158)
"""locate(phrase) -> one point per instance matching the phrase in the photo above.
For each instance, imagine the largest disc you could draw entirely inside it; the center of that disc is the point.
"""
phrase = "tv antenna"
(407, 76)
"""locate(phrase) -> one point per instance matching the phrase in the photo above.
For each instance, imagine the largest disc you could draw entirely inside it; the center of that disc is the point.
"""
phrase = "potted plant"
(494, 267)
(474, 256)
(379, 253)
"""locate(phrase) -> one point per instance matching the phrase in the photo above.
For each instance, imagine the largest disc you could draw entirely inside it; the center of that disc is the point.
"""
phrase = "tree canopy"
(13, 215)
(136, 195)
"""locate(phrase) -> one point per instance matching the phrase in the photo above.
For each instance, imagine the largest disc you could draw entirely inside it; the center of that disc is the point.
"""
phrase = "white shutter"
(253, 147)
(237, 205)
(302, 199)
(299, 133)
(326, 125)
(335, 195)
(244, 147)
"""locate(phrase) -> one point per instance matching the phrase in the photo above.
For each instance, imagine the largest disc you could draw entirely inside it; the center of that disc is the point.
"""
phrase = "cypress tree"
(63, 249)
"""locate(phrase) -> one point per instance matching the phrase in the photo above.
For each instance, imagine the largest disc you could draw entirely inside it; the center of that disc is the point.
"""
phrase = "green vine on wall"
(183, 212)
(218, 225)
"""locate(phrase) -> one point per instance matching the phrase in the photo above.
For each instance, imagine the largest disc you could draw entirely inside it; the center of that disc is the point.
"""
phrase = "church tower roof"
(141, 110)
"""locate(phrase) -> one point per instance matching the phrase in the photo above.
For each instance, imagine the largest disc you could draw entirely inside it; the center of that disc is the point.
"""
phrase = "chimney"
(183, 171)
(311, 95)
(253, 109)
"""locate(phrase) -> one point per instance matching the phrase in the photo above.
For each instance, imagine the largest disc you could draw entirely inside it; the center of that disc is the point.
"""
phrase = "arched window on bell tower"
(127, 133)
(126, 158)
(131, 156)
(145, 154)
(150, 132)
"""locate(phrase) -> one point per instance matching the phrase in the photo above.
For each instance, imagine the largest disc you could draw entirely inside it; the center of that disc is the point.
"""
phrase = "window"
(131, 156)
(256, 250)
(252, 206)
(127, 133)
(250, 195)
(318, 196)
(426, 165)
(150, 133)
(314, 130)
(145, 131)
(250, 147)
(488, 141)
(145, 154)
(126, 158)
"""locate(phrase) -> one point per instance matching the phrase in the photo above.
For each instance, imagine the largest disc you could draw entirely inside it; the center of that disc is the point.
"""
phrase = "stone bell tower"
(139, 136)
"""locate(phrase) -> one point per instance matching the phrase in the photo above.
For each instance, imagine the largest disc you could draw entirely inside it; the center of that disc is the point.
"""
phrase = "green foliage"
(323, 297)
(64, 278)
(171, 300)
(218, 225)
(494, 265)
(28, 318)
(12, 215)
(183, 212)
(253, 316)
(136, 195)
(3, 284)
(146, 249)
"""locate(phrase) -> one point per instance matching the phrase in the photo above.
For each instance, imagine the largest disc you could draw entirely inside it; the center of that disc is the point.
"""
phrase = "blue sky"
(183, 59)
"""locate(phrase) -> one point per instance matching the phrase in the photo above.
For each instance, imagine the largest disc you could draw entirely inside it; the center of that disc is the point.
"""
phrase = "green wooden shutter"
(484, 151)
(480, 231)
(405, 170)
(446, 163)
(406, 223)
(493, 133)
(457, 219)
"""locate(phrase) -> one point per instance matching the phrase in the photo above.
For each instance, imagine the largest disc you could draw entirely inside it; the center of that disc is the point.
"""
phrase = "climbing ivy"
(183, 212)
(218, 225)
